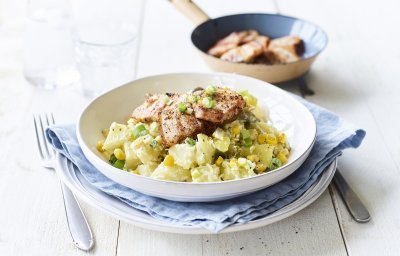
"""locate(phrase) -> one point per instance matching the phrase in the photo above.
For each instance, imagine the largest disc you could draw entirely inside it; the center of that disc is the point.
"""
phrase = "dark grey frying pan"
(208, 31)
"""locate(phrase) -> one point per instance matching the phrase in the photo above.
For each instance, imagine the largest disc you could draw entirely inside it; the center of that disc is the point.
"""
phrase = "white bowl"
(285, 112)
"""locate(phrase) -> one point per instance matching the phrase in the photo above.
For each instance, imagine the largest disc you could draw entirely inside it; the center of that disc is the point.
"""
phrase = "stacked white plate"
(116, 208)
(283, 110)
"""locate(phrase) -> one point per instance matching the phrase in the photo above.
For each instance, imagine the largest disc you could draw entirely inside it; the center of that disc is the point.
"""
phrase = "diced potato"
(264, 152)
(116, 137)
(206, 173)
(173, 173)
(232, 170)
(204, 150)
(146, 170)
(221, 140)
(223, 144)
(144, 151)
(184, 155)
(131, 159)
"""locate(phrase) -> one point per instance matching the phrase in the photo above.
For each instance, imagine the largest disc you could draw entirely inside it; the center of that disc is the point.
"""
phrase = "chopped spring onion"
(119, 164)
(182, 107)
(245, 134)
(192, 98)
(153, 128)
(210, 90)
(208, 102)
(154, 144)
(139, 131)
(246, 140)
(190, 141)
(275, 163)
(113, 159)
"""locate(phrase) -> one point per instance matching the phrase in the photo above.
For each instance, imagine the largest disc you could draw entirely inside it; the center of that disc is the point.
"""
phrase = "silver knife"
(351, 200)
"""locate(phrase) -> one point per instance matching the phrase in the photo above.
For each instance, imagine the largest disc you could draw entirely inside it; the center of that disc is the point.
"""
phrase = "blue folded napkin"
(333, 135)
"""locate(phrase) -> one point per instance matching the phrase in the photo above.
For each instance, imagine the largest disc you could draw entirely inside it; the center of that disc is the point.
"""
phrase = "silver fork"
(77, 224)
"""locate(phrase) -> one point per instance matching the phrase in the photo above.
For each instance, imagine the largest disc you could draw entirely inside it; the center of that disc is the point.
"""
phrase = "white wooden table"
(356, 76)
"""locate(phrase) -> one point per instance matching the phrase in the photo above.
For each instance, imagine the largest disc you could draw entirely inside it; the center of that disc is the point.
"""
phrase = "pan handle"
(190, 10)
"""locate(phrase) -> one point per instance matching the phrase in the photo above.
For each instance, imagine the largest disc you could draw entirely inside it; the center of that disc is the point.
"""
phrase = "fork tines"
(41, 122)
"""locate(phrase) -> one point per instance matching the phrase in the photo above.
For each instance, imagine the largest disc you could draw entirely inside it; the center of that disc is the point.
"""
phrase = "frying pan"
(209, 31)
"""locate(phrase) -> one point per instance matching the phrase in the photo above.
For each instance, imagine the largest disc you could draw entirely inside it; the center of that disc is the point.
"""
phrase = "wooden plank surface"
(357, 79)
(350, 77)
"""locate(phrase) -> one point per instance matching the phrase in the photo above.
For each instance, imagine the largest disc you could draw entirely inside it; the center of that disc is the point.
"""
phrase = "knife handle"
(351, 200)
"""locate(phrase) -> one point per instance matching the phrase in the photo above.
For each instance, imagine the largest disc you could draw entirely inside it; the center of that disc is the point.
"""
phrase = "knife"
(351, 200)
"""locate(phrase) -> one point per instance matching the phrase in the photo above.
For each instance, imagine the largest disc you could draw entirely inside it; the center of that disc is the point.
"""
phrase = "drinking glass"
(105, 44)
(48, 57)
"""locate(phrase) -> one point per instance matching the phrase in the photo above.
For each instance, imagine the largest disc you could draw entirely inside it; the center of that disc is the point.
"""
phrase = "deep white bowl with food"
(283, 111)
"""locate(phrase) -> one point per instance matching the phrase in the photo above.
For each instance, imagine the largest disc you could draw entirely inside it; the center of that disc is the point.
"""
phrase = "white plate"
(114, 207)
(286, 113)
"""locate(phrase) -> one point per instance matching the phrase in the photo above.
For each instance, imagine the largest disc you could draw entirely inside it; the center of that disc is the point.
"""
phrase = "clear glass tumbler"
(105, 45)
(48, 57)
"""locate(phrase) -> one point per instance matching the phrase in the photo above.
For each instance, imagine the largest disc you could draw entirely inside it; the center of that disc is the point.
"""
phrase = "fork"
(77, 224)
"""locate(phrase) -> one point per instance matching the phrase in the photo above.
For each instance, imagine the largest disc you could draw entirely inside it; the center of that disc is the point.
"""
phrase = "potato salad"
(246, 145)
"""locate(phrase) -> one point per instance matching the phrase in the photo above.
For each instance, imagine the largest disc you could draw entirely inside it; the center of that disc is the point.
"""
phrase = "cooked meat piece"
(263, 41)
(244, 53)
(294, 44)
(280, 56)
(227, 43)
(154, 103)
(228, 105)
(247, 52)
(251, 35)
(175, 126)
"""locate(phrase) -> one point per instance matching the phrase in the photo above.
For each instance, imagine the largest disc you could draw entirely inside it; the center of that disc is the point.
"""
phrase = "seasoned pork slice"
(279, 55)
(227, 106)
(227, 43)
(293, 44)
(175, 126)
(251, 35)
(154, 103)
(247, 52)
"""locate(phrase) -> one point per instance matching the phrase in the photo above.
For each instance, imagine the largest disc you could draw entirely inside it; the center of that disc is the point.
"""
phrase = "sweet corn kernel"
(169, 160)
(99, 146)
(260, 167)
(233, 162)
(236, 129)
(219, 161)
(282, 138)
(253, 158)
(282, 157)
(262, 138)
(105, 132)
(119, 154)
(271, 139)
